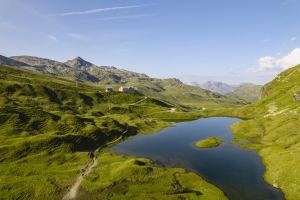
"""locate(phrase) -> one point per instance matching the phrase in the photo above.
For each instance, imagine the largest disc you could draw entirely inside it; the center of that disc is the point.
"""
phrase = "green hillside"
(49, 128)
(272, 128)
(248, 92)
(181, 95)
(275, 131)
(171, 90)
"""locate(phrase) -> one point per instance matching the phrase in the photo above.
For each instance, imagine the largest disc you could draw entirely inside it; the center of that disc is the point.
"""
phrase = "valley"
(54, 115)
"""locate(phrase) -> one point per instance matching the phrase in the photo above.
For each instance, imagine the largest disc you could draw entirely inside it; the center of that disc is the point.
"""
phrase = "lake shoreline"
(201, 174)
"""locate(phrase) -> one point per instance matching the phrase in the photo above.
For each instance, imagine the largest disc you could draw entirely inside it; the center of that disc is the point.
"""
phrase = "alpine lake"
(238, 172)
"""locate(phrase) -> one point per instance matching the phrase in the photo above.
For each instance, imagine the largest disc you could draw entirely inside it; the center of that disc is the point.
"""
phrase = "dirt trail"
(72, 194)
(170, 110)
(138, 101)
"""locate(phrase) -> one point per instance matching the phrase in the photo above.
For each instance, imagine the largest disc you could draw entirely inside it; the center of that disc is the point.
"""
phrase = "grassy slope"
(174, 92)
(249, 92)
(170, 90)
(120, 177)
(273, 130)
(48, 126)
(271, 127)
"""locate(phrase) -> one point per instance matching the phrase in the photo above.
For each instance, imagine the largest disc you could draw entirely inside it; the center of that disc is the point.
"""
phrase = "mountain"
(79, 63)
(214, 86)
(248, 91)
(170, 90)
(53, 68)
(11, 62)
(106, 74)
(77, 69)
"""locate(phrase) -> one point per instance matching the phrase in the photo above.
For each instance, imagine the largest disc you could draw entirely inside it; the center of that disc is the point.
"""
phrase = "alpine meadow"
(149, 100)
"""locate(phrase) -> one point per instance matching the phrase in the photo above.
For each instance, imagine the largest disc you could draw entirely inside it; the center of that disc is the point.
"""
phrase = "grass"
(177, 94)
(122, 177)
(272, 129)
(44, 175)
(209, 142)
(48, 126)
(248, 92)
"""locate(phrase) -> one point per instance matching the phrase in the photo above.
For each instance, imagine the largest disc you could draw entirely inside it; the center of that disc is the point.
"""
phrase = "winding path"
(72, 194)
(170, 110)
(138, 101)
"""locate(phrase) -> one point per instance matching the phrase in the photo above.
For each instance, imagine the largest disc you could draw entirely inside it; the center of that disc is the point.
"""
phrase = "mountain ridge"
(78, 69)
(246, 91)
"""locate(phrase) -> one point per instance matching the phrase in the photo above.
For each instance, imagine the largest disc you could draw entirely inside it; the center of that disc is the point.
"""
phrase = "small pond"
(238, 172)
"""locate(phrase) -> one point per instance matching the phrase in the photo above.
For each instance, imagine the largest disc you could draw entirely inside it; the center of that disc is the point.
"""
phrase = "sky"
(231, 41)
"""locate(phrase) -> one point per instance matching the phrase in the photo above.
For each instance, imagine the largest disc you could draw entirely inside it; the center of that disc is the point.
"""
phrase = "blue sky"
(232, 41)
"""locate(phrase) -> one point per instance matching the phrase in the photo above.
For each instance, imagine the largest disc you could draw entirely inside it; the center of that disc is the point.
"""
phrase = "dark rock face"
(8, 61)
(77, 69)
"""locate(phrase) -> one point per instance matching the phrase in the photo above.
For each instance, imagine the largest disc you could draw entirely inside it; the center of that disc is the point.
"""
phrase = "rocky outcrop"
(77, 69)
(79, 63)
(296, 96)
(8, 61)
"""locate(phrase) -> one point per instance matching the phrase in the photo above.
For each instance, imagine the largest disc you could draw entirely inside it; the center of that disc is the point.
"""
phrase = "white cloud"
(271, 64)
(293, 38)
(52, 38)
(77, 36)
(99, 10)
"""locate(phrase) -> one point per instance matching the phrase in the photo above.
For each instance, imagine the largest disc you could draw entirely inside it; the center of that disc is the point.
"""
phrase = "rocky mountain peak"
(78, 58)
(79, 63)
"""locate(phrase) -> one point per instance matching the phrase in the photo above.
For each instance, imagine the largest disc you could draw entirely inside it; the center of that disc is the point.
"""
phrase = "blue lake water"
(238, 172)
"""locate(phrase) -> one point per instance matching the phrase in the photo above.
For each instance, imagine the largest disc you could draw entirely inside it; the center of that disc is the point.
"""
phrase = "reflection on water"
(238, 172)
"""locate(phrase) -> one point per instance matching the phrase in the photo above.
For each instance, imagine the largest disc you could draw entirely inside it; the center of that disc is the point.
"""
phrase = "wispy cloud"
(267, 40)
(77, 36)
(125, 17)
(233, 70)
(115, 18)
(51, 37)
(7, 25)
(100, 10)
(293, 38)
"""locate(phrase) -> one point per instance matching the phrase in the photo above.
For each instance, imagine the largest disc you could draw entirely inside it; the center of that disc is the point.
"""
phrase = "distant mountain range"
(171, 90)
(214, 86)
(247, 91)
(77, 69)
